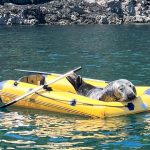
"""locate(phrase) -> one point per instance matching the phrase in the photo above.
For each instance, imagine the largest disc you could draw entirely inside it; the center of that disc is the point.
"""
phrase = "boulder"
(30, 22)
(14, 20)
(74, 16)
(34, 12)
(131, 7)
(103, 20)
(2, 20)
(63, 22)
(138, 19)
(138, 9)
(147, 19)
(128, 19)
(51, 18)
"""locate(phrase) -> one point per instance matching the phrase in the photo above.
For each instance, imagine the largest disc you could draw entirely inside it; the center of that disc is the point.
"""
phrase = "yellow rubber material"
(63, 99)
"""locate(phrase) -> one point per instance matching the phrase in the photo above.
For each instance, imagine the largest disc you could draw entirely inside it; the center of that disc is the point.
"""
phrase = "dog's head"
(123, 90)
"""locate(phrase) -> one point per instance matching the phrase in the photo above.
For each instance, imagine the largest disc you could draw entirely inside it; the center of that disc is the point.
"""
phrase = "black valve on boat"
(16, 83)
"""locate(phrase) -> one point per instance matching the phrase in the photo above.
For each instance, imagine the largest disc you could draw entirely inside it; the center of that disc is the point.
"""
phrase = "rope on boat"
(79, 103)
(74, 102)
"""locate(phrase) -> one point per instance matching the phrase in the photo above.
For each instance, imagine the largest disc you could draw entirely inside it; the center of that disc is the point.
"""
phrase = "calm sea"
(105, 52)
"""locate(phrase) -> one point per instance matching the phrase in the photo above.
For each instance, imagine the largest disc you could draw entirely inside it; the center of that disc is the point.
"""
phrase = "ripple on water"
(108, 55)
(63, 132)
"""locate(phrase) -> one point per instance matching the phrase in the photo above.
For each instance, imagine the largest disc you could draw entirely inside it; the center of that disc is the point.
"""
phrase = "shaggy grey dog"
(118, 90)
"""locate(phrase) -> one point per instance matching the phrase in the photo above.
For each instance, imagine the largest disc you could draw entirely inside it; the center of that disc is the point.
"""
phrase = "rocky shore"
(67, 12)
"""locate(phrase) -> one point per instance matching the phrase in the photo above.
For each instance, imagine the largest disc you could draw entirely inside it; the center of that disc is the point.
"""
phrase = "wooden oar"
(48, 73)
(39, 88)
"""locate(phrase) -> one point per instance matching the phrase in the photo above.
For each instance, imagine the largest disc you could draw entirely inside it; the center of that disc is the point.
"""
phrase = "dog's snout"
(131, 96)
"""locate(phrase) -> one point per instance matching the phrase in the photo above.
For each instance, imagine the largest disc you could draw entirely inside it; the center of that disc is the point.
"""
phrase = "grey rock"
(2, 20)
(30, 22)
(34, 12)
(74, 16)
(24, 2)
(77, 9)
(104, 19)
(128, 19)
(51, 18)
(131, 7)
(66, 12)
(98, 18)
(63, 22)
(14, 19)
(138, 19)
(115, 6)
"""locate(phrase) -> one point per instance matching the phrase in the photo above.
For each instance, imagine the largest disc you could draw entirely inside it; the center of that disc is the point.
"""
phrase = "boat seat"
(33, 79)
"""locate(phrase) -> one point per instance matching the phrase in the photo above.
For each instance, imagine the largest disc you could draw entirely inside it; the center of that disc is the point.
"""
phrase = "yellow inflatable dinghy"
(62, 98)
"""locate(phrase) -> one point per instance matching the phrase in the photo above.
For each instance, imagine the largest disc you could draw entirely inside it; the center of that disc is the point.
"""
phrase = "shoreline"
(81, 12)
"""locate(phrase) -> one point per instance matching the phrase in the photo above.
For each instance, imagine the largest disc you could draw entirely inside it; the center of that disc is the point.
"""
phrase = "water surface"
(104, 52)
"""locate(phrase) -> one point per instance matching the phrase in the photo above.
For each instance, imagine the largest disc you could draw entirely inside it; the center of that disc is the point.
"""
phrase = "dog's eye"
(130, 85)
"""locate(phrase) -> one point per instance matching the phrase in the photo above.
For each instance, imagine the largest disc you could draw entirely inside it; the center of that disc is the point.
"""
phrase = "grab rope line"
(79, 103)
(73, 102)
(39, 102)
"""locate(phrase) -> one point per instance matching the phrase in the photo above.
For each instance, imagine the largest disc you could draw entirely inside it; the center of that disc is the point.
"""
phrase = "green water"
(104, 52)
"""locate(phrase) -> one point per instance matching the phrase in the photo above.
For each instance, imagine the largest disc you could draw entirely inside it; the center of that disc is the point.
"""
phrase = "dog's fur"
(118, 90)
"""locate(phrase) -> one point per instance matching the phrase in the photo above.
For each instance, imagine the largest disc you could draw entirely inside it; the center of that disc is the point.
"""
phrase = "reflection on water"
(33, 129)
